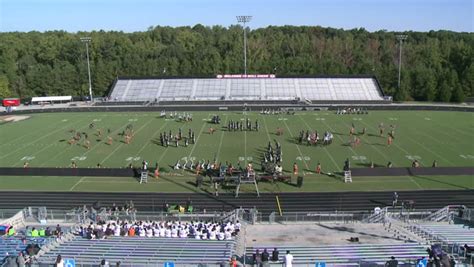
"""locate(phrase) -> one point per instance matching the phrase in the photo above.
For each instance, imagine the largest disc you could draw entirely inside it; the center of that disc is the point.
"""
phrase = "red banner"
(11, 102)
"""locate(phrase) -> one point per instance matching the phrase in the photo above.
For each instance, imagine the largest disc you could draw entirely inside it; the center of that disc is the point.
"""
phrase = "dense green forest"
(437, 66)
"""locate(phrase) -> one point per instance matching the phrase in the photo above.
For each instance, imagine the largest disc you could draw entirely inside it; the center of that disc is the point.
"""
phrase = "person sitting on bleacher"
(168, 231)
(221, 235)
(34, 232)
(392, 262)
(174, 232)
(275, 255)
(228, 235)
(58, 231)
(212, 234)
(467, 250)
(141, 231)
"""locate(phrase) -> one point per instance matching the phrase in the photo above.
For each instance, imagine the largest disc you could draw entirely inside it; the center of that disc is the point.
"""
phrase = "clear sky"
(138, 15)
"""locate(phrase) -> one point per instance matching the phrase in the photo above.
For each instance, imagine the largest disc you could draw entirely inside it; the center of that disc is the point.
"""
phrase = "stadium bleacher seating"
(142, 250)
(347, 255)
(13, 245)
(449, 233)
(206, 89)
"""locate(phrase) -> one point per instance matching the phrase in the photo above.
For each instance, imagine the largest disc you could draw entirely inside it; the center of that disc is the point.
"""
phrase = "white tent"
(51, 99)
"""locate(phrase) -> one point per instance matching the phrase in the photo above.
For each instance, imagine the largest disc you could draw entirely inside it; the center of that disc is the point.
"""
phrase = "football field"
(42, 141)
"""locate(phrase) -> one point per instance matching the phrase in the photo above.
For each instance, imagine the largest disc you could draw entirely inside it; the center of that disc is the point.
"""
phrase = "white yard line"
(220, 142)
(444, 126)
(76, 184)
(429, 150)
(340, 138)
(325, 148)
(297, 146)
(375, 148)
(42, 137)
(266, 128)
(153, 136)
(197, 139)
(437, 141)
(394, 143)
(63, 151)
(121, 144)
(31, 154)
(245, 146)
(417, 184)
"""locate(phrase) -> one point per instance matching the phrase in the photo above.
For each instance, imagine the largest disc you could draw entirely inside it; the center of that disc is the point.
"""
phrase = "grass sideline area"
(322, 183)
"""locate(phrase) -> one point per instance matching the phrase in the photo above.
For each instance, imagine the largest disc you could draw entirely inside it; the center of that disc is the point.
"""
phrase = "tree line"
(436, 65)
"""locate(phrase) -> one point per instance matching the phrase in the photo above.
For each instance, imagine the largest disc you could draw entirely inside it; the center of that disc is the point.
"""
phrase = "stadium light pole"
(244, 20)
(87, 40)
(400, 38)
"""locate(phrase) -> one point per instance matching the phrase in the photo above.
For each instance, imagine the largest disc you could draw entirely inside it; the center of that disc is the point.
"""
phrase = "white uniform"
(288, 260)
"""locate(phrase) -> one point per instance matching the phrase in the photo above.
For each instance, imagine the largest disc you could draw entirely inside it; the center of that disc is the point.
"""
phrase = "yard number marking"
(243, 158)
(427, 119)
(132, 159)
(320, 119)
(188, 158)
(79, 158)
(413, 157)
(97, 120)
(282, 119)
(306, 158)
(393, 119)
(28, 158)
(467, 156)
(357, 119)
(132, 119)
(359, 158)
(64, 120)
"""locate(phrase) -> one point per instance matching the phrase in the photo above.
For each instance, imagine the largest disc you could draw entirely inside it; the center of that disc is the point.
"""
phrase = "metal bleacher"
(363, 88)
(448, 233)
(143, 251)
(348, 255)
(13, 245)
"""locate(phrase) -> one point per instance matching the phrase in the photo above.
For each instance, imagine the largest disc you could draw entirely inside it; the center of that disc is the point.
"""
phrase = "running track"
(266, 203)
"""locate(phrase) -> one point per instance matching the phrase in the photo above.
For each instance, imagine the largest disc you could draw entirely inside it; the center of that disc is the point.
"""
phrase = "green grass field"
(41, 140)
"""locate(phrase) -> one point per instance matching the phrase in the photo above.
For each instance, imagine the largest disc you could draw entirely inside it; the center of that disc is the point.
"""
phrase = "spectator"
(275, 254)
(265, 257)
(34, 232)
(104, 263)
(288, 259)
(392, 262)
(452, 262)
(233, 262)
(58, 230)
(9, 261)
(59, 261)
(11, 231)
(257, 258)
(20, 260)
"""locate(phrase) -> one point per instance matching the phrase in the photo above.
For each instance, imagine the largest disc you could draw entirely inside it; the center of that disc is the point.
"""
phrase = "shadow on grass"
(441, 182)
(375, 135)
(367, 165)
